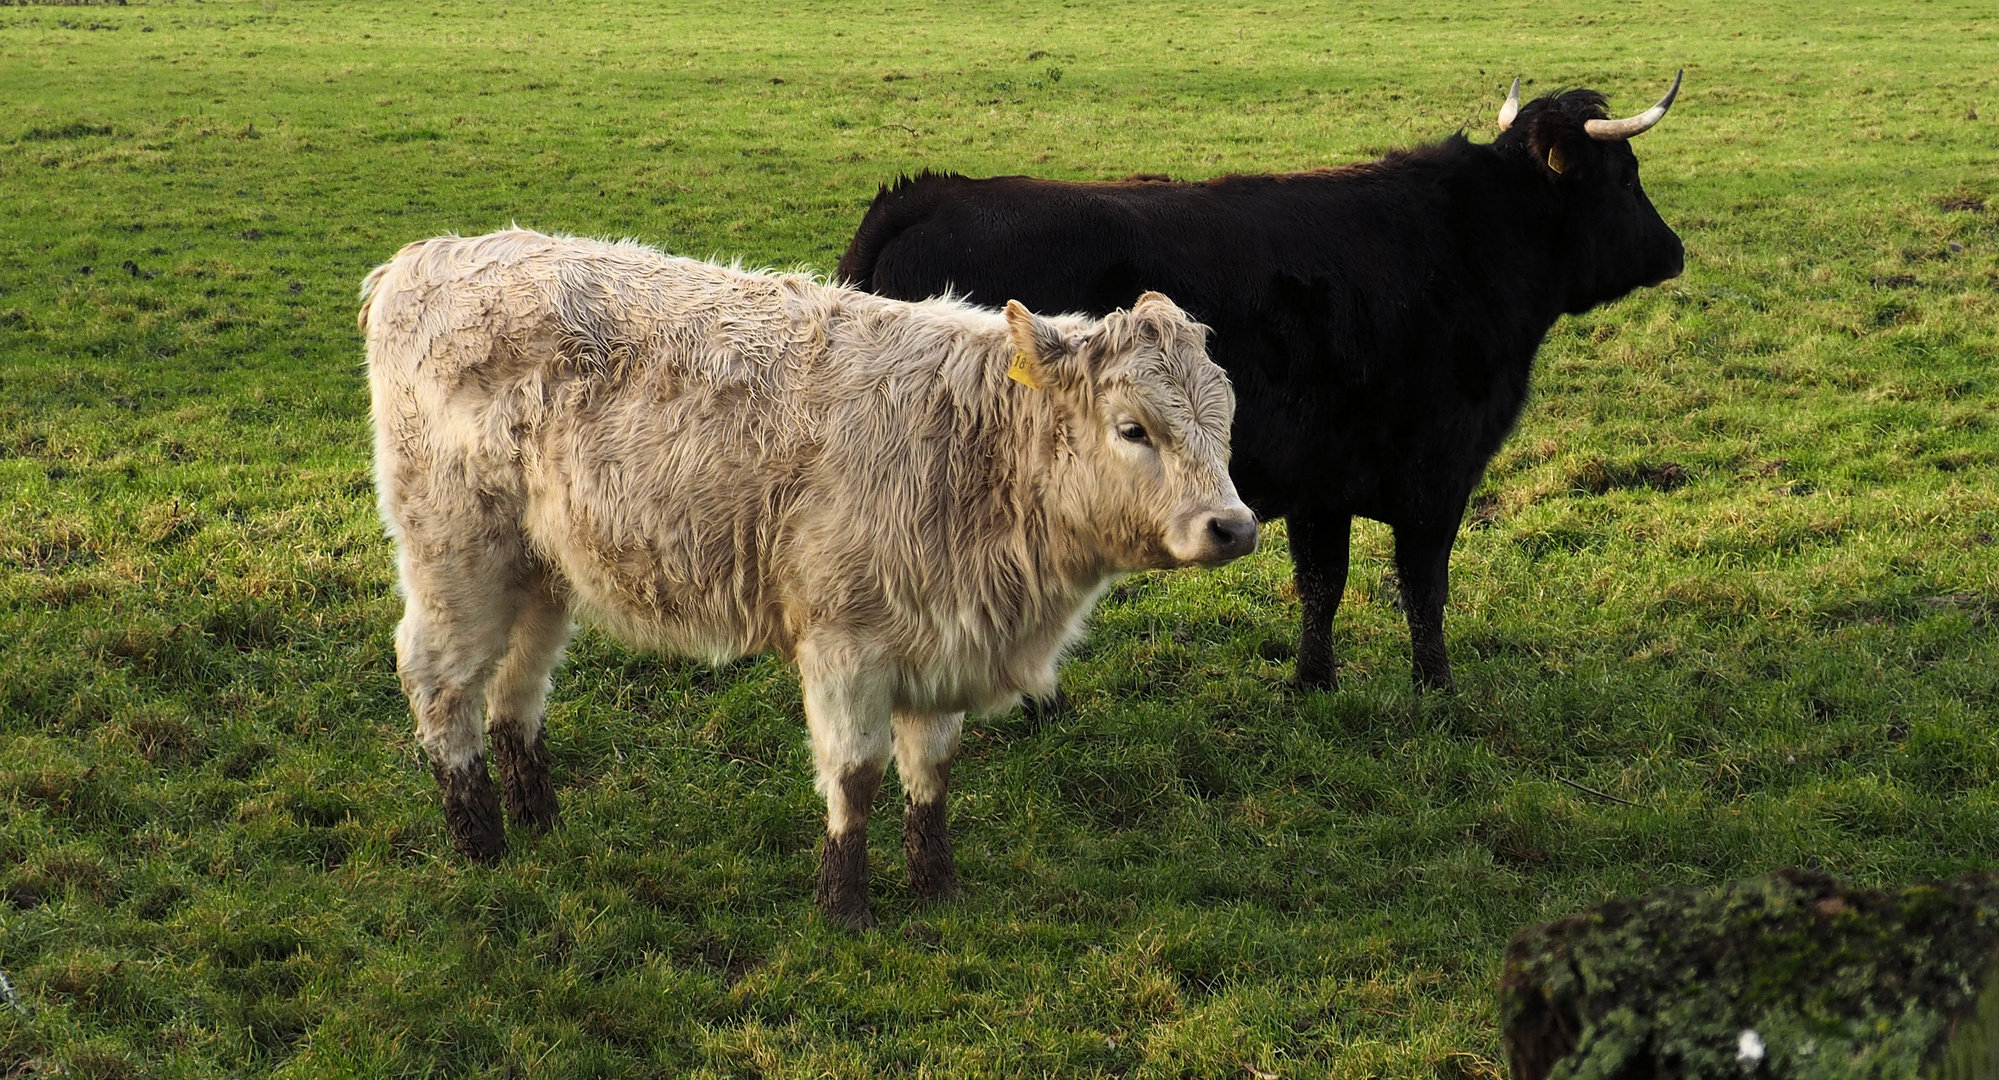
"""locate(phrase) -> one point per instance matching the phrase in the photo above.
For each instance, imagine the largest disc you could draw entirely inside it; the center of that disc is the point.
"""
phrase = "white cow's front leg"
(924, 748)
(847, 709)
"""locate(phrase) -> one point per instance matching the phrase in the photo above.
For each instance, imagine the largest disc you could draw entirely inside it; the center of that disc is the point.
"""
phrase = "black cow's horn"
(1512, 107)
(1612, 130)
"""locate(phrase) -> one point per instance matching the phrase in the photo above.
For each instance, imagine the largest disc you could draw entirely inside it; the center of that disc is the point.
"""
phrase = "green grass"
(221, 855)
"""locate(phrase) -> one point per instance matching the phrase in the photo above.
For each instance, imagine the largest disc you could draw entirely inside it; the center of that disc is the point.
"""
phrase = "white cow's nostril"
(1232, 536)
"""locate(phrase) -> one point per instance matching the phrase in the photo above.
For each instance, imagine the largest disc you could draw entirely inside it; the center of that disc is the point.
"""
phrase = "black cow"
(1378, 320)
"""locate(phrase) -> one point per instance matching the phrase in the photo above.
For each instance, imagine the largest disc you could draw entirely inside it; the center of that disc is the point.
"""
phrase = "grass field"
(221, 854)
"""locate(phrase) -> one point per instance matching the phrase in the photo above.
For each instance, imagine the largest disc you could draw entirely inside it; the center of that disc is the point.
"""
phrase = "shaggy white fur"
(718, 462)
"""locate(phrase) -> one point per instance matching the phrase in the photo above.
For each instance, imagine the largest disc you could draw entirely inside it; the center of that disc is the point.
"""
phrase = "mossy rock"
(1787, 977)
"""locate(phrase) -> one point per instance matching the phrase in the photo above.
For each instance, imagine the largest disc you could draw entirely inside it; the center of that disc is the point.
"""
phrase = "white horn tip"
(1512, 107)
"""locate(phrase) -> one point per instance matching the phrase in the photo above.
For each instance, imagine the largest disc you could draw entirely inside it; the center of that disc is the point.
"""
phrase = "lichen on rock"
(1789, 976)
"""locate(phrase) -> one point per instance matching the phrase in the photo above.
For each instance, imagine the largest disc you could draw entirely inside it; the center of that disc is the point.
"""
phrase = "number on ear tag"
(1020, 372)
(1555, 159)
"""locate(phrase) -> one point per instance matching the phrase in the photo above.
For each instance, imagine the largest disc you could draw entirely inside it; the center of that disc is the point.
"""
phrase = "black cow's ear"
(1558, 142)
(1043, 356)
(1563, 153)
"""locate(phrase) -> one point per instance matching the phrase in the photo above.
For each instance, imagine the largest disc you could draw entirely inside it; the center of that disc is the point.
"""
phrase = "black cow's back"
(1349, 333)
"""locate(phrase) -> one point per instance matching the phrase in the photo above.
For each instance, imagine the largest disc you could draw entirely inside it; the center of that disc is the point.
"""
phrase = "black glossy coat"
(1378, 321)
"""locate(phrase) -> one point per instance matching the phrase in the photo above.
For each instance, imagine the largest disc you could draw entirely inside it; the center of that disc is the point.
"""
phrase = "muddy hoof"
(937, 890)
(926, 850)
(525, 780)
(472, 811)
(843, 881)
(859, 920)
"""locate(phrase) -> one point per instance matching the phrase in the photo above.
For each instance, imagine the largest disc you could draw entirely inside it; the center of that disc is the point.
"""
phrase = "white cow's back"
(712, 459)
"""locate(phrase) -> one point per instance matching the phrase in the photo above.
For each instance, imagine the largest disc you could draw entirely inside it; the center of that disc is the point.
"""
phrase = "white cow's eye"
(1134, 432)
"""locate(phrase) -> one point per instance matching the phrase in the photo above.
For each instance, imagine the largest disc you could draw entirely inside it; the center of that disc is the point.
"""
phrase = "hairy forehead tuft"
(1162, 357)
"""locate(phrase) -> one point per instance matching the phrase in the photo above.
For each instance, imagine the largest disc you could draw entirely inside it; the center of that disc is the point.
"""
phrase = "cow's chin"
(1135, 554)
(1203, 555)
(1206, 560)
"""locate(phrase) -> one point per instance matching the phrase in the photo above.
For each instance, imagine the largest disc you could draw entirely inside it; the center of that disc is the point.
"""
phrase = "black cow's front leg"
(1319, 548)
(1423, 563)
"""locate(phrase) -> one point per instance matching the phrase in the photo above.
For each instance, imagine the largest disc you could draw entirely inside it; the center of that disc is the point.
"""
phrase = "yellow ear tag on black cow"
(1555, 159)
(1020, 372)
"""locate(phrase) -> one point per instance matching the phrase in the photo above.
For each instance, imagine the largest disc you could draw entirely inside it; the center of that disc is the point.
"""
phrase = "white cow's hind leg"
(461, 602)
(925, 746)
(847, 709)
(517, 705)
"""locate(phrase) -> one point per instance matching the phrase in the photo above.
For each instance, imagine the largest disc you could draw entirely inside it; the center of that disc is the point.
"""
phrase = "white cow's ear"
(1043, 356)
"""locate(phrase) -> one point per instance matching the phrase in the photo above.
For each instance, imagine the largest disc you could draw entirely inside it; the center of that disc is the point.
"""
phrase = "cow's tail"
(373, 286)
(896, 207)
(368, 286)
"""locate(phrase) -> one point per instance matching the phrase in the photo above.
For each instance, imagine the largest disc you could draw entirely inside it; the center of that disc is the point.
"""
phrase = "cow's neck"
(1056, 547)
(1549, 273)
(1525, 270)
(1517, 248)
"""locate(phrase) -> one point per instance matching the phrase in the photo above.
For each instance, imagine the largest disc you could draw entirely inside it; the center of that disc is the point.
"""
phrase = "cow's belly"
(650, 593)
(956, 657)
(663, 540)
(972, 674)
(1401, 462)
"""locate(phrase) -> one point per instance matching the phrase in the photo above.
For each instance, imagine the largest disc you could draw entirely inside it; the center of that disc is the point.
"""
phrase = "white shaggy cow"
(717, 462)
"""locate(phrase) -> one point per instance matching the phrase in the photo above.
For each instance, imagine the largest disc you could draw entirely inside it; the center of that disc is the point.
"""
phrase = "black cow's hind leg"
(1043, 711)
(1423, 563)
(1319, 546)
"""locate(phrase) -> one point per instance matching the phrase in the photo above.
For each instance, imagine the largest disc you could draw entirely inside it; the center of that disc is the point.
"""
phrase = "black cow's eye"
(1133, 432)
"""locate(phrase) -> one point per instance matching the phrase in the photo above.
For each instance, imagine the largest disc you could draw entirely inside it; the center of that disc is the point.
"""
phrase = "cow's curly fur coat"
(719, 462)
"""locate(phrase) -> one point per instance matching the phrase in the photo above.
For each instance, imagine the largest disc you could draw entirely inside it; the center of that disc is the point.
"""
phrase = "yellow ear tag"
(1555, 159)
(1019, 372)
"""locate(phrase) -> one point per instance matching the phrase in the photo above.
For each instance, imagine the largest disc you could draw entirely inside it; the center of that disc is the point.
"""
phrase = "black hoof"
(1438, 681)
(1325, 680)
(1042, 711)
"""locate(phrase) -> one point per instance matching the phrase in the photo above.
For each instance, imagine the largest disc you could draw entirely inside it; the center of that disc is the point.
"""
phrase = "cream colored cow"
(716, 462)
